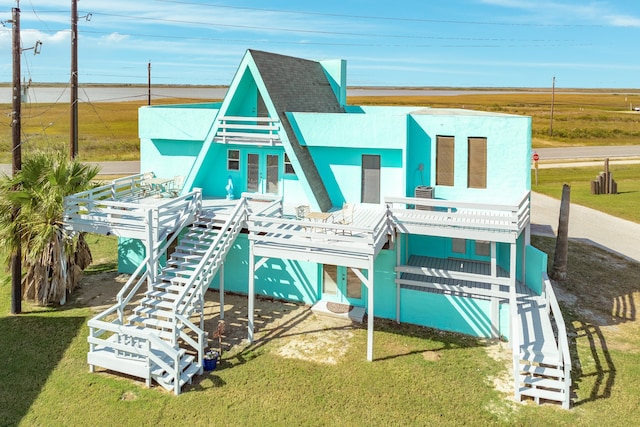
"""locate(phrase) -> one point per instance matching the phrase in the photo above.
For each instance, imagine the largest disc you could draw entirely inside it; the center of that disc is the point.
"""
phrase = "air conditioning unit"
(424, 192)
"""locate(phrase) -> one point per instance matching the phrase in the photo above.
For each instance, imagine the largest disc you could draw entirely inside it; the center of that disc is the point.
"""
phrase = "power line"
(381, 18)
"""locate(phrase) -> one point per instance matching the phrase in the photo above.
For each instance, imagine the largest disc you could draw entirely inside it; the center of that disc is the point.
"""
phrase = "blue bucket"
(210, 360)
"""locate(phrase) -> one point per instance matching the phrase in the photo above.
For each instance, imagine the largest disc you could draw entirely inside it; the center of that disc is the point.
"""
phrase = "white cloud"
(115, 38)
(588, 13)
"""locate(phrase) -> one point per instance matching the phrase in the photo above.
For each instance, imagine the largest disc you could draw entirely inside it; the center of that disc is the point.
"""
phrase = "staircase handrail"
(235, 217)
(561, 334)
(198, 345)
(155, 342)
(185, 219)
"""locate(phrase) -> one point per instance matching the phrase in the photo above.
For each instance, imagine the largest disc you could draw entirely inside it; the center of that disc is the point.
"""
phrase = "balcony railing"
(248, 130)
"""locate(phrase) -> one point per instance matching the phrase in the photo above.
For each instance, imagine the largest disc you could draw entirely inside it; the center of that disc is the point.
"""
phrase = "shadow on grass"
(603, 374)
(32, 346)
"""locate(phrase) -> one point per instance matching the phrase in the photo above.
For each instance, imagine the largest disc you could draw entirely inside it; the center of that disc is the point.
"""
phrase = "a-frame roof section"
(286, 84)
(298, 85)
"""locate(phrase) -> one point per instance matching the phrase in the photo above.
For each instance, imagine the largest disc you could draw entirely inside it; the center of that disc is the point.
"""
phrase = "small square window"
(288, 167)
(483, 248)
(459, 246)
(233, 160)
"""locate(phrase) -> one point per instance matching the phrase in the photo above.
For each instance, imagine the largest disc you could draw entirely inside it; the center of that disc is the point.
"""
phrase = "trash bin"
(210, 360)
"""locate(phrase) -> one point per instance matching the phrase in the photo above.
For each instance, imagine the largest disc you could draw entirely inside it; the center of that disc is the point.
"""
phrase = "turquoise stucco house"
(415, 214)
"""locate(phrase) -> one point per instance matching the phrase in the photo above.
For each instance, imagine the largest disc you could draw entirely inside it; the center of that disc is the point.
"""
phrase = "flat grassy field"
(419, 376)
(625, 204)
(109, 131)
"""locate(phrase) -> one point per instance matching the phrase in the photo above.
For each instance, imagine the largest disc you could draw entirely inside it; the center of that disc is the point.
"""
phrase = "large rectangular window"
(444, 160)
(477, 173)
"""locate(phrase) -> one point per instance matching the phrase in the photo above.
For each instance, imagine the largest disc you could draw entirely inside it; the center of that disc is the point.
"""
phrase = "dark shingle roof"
(298, 85)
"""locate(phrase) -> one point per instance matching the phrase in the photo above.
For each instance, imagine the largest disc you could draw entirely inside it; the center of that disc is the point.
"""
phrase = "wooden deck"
(455, 276)
(280, 234)
(445, 218)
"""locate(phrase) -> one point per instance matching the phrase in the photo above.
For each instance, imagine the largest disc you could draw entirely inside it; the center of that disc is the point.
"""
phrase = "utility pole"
(73, 128)
(149, 82)
(553, 95)
(16, 128)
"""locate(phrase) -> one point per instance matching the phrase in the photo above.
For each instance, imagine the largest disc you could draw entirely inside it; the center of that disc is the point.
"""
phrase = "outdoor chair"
(302, 211)
(347, 216)
(176, 186)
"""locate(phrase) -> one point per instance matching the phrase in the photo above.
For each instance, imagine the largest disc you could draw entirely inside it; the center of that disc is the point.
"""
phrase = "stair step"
(201, 234)
(187, 257)
(542, 370)
(195, 242)
(169, 287)
(179, 263)
(533, 356)
(191, 250)
(174, 279)
(547, 383)
(539, 393)
(151, 322)
(174, 271)
(153, 312)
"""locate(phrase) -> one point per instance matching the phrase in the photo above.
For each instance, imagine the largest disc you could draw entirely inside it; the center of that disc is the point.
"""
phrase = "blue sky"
(461, 43)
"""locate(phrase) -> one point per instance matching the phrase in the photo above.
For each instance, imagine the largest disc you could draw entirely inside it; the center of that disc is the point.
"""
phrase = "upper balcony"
(139, 206)
(458, 219)
(248, 130)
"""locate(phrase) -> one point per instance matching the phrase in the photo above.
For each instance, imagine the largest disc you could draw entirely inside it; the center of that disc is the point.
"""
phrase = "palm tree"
(52, 258)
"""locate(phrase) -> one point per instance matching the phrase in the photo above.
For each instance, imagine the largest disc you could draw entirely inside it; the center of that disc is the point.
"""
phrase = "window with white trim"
(233, 160)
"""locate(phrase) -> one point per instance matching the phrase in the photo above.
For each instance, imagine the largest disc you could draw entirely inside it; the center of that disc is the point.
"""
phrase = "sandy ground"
(300, 333)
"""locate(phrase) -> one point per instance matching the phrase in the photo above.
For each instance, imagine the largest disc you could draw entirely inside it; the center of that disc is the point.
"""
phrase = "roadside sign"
(536, 157)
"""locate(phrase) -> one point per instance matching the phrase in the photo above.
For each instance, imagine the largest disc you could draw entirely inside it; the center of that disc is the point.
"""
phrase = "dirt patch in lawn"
(300, 333)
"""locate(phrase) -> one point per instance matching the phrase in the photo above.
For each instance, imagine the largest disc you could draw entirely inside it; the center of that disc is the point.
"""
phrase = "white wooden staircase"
(542, 363)
(157, 339)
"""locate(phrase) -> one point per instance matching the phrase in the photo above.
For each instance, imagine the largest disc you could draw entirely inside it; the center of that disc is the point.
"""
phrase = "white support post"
(251, 292)
(370, 311)
(222, 291)
(151, 256)
(494, 259)
(398, 274)
(513, 308)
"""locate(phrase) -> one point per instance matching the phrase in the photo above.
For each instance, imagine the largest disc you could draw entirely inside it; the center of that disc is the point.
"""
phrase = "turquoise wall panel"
(341, 172)
(439, 247)
(508, 152)
(536, 267)
(131, 253)
(451, 313)
(168, 158)
(190, 122)
(384, 301)
(351, 130)
(504, 315)
(282, 279)
(418, 157)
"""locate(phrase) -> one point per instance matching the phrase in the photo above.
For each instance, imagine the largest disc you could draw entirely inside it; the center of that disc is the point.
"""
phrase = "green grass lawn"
(44, 378)
(109, 131)
(625, 204)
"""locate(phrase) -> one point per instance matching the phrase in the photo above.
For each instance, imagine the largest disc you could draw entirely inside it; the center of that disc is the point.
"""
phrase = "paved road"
(614, 234)
(106, 168)
(579, 153)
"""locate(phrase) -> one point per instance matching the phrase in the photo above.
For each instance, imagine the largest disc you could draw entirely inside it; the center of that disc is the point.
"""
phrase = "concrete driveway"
(609, 232)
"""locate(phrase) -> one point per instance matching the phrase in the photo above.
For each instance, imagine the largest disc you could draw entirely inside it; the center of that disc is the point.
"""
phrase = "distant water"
(127, 93)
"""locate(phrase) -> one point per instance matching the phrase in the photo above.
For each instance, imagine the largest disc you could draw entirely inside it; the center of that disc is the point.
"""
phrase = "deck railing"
(553, 309)
(120, 208)
(270, 227)
(414, 211)
(248, 130)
